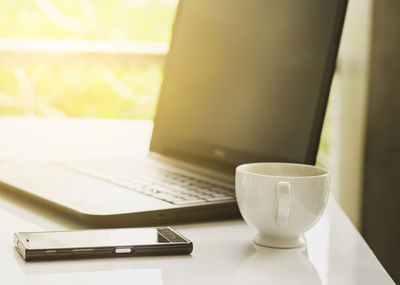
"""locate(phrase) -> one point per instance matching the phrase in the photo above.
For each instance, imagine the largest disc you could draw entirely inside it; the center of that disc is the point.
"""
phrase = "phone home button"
(123, 250)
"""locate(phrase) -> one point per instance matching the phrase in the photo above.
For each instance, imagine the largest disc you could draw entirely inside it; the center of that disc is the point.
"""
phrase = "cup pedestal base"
(280, 242)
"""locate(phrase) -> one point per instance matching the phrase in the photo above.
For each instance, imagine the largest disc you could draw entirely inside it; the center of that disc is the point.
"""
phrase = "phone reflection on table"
(94, 271)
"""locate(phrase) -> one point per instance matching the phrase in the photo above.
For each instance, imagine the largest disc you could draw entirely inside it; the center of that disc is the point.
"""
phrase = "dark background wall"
(381, 215)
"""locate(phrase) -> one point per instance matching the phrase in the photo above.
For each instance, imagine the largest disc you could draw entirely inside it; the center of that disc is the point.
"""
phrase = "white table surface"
(223, 250)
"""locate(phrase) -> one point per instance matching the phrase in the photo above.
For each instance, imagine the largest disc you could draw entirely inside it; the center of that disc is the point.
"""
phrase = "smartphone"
(101, 243)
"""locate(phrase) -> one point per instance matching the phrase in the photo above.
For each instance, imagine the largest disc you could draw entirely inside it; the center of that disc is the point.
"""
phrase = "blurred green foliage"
(82, 90)
(137, 20)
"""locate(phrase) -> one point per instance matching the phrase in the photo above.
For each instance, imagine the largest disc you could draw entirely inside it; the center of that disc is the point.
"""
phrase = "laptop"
(245, 81)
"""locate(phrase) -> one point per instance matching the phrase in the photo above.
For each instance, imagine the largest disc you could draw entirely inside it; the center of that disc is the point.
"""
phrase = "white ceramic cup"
(281, 200)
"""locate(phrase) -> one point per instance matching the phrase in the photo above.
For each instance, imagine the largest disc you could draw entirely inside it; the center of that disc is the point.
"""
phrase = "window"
(84, 58)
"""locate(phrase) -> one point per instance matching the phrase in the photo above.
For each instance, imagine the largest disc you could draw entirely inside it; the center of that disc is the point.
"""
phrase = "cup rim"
(241, 168)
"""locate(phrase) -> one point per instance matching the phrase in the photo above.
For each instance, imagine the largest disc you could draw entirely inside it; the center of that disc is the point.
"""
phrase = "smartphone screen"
(101, 243)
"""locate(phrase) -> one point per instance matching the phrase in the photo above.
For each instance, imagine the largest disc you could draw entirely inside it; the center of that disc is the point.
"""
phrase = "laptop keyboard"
(155, 181)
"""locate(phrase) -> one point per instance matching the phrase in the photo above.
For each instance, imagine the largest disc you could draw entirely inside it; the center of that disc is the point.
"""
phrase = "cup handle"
(283, 199)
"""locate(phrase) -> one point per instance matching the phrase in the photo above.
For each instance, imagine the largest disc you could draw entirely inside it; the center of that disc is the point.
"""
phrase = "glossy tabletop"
(223, 250)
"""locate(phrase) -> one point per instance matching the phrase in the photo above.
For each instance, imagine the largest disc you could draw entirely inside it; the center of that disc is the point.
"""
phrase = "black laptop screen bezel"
(159, 145)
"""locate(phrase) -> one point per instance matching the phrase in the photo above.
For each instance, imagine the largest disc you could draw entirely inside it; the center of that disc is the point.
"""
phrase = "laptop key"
(165, 197)
(217, 199)
(192, 201)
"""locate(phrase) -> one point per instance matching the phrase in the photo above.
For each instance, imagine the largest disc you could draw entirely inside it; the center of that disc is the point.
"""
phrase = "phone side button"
(123, 250)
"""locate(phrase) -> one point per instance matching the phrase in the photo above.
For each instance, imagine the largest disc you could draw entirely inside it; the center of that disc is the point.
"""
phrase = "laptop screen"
(247, 81)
